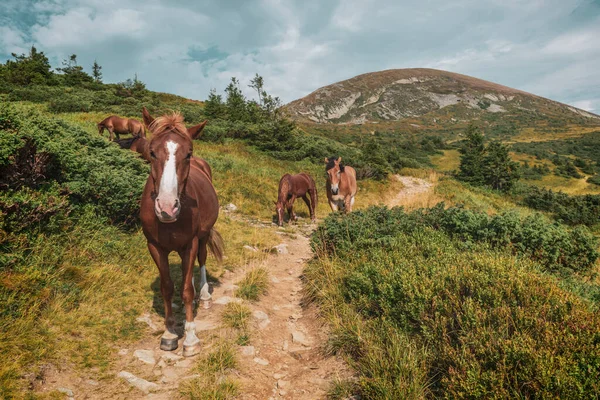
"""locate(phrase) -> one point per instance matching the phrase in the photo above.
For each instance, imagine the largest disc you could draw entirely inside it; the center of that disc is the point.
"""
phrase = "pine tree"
(236, 102)
(96, 72)
(471, 159)
(214, 107)
(499, 171)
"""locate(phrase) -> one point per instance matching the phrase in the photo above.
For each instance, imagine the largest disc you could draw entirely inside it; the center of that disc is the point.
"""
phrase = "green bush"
(551, 244)
(572, 210)
(474, 321)
(88, 169)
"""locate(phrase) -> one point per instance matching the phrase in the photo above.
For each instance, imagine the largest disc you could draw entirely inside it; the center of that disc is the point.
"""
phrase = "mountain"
(429, 97)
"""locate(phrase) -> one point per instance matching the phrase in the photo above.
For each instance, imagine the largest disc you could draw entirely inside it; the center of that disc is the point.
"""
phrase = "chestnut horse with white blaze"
(179, 208)
(341, 184)
(291, 187)
(121, 126)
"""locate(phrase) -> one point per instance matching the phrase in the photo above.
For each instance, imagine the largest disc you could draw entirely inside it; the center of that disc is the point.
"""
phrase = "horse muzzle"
(335, 190)
(167, 211)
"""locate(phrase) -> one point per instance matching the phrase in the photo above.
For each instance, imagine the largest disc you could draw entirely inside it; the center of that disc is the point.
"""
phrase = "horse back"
(349, 181)
(203, 166)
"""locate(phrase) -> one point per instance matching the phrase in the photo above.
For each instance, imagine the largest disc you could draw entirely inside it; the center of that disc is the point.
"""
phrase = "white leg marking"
(190, 334)
(352, 202)
(204, 293)
(168, 181)
(193, 285)
(333, 205)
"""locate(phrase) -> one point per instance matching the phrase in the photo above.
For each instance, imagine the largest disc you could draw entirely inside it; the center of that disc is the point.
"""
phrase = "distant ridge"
(397, 94)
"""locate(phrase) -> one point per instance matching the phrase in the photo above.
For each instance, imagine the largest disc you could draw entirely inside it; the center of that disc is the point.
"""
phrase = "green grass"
(254, 284)
(236, 315)
(214, 382)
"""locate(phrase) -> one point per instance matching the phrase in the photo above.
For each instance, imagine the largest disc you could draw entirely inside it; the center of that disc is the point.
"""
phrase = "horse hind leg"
(310, 207)
(205, 296)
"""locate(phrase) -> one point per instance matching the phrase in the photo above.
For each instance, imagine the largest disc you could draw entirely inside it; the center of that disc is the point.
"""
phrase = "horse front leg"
(191, 344)
(291, 209)
(348, 203)
(168, 340)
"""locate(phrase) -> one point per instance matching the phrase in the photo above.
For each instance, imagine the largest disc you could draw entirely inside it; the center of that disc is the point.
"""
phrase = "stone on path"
(145, 356)
(66, 391)
(169, 375)
(146, 319)
(171, 357)
(138, 383)
(261, 361)
(280, 249)
(183, 363)
(230, 207)
(300, 338)
(250, 248)
(123, 352)
(247, 350)
(226, 300)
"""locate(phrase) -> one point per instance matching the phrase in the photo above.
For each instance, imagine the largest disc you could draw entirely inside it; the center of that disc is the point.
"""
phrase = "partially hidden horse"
(341, 184)
(121, 126)
(179, 208)
(137, 144)
(294, 186)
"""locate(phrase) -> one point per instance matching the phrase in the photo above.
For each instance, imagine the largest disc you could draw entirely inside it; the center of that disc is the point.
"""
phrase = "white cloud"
(12, 41)
(542, 46)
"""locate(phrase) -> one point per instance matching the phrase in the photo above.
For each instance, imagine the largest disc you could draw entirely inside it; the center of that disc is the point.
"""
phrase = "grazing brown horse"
(178, 211)
(341, 184)
(291, 187)
(121, 126)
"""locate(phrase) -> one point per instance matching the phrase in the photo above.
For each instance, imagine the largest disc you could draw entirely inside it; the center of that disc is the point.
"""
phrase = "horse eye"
(152, 154)
(188, 156)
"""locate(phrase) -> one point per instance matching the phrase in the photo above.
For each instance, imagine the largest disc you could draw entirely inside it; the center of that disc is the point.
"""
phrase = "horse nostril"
(176, 205)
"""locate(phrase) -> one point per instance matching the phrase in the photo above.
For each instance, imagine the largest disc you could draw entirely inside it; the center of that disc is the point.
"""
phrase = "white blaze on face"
(168, 183)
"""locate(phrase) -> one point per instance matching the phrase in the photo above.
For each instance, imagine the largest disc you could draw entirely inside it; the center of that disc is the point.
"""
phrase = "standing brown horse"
(291, 187)
(117, 125)
(178, 211)
(341, 184)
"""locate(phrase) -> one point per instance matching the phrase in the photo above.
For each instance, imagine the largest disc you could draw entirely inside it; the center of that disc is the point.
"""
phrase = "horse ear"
(339, 160)
(195, 131)
(326, 160)
(148, 119)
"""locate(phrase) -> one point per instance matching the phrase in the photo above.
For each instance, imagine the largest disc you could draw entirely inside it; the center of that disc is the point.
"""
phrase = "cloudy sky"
(547, 47)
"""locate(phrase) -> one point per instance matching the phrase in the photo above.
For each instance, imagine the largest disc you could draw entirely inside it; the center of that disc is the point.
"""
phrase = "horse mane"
(169, 123)
(331, 164)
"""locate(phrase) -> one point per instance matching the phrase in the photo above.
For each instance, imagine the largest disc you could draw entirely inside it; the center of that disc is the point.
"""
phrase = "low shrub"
(472, 320)
(571, 210)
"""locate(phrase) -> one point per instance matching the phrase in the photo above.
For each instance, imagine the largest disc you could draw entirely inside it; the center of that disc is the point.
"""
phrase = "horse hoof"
(189, 351)
(168, 344)
(206, 304)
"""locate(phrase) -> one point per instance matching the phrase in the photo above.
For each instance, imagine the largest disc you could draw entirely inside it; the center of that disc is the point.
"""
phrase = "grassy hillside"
(455, 304)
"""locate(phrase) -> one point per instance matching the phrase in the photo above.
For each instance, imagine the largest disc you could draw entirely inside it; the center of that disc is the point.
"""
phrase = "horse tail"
(314, 186)
(216, 245)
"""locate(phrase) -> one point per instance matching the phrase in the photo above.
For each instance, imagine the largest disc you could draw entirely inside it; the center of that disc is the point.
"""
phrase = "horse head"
(334, 169)
(171, 150)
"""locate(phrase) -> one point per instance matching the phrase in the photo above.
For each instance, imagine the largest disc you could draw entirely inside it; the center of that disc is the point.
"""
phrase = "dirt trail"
(285, 358)
(412, 187)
